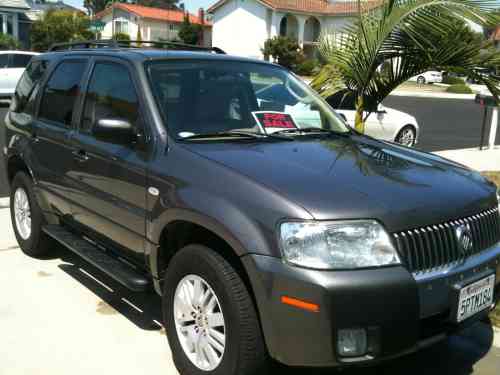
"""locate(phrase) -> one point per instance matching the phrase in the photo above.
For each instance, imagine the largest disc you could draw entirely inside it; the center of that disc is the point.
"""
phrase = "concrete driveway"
(62, 316)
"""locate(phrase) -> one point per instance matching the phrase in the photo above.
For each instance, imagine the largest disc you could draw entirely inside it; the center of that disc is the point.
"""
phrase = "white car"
(384, 123)
(431, 76)
(12, 65)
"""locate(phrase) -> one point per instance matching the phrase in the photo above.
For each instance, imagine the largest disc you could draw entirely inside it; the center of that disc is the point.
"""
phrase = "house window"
(121, 27)
(172, 27)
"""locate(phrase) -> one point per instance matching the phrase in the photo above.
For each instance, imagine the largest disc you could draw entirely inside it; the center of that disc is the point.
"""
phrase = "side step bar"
(113, 267)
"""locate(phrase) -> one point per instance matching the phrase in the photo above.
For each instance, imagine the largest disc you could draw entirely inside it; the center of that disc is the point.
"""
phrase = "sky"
(191, 5)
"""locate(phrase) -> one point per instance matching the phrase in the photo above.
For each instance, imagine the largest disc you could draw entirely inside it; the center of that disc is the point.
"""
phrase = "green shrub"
(459, 89)
(284, 50)
(121, 36)
(450, 80)
(8, 42)
(307, 68)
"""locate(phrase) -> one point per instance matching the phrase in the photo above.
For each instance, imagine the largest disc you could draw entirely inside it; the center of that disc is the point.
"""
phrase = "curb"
(496, 337)
(438, 95)
(4, 203)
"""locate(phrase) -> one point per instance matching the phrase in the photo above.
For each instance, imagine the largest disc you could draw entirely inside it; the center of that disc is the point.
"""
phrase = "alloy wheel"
(199, 322)
(22, 213)
(406, 137)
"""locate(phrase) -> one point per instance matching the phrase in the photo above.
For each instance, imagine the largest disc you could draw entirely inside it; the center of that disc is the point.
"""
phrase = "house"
(154, 23)
(13, 19)
(242, 26)
(39, 7)
(16, 16)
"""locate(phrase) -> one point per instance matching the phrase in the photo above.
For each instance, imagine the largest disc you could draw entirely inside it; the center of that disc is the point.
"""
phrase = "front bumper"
(401, 312)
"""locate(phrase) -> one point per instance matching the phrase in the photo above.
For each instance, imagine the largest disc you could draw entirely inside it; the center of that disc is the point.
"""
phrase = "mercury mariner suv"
(272, 231)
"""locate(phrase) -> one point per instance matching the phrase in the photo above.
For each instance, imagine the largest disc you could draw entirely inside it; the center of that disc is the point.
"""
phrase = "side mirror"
(381, 109)
(117, 131)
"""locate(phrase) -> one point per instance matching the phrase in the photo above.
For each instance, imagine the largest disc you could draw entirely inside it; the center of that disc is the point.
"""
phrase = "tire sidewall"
(196, 261)
(29, 246)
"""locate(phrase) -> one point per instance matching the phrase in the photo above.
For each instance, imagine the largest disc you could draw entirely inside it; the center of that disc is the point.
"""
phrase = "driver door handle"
(80, 156)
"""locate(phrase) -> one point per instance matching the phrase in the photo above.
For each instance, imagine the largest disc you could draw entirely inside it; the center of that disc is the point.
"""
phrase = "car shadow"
(457, 355)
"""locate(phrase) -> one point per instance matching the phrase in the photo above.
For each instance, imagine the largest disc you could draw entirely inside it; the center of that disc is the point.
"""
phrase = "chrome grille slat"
(436, 246)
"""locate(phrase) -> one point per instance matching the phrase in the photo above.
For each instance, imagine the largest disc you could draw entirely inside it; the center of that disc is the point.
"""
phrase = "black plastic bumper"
(399, 313)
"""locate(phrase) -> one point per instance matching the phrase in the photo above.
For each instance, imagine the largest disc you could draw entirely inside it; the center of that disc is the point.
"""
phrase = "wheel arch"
(15, 164)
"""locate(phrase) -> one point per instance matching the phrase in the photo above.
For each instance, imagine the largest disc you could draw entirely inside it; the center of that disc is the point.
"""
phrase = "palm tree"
(407, 38)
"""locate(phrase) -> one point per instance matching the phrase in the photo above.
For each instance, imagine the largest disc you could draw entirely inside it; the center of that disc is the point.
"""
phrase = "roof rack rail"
(112, 43)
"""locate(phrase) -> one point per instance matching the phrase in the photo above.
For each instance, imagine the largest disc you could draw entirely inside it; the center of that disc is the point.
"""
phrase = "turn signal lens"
(300, 304)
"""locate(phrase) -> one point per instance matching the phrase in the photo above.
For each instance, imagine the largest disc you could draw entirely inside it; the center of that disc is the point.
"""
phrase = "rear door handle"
(80, 155)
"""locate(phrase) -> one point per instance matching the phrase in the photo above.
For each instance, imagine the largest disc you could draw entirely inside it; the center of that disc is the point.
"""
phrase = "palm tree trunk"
(359, 123)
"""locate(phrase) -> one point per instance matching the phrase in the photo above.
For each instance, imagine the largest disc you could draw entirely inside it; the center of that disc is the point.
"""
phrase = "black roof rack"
(111, 43)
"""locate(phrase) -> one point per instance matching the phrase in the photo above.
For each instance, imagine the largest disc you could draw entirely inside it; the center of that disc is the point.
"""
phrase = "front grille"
(429, 248)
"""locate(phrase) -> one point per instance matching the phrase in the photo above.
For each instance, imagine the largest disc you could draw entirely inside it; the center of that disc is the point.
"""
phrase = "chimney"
(201, 15)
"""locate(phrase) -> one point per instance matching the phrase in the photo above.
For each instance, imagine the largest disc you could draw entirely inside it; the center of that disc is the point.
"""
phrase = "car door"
(4, 74)
(17, 64)
(111, 202)
(377, 125)
(52, 132)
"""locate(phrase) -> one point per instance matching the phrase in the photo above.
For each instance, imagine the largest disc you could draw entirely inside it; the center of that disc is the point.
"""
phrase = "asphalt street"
(444, 124)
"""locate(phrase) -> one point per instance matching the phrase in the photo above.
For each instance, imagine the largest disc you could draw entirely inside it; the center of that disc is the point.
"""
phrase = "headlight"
(337, 245)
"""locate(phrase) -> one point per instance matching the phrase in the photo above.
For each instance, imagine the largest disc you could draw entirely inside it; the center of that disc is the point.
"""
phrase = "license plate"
(475, 297)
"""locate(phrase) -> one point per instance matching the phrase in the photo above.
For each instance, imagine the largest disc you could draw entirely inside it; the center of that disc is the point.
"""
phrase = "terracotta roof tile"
(313, 6)
(152, 13)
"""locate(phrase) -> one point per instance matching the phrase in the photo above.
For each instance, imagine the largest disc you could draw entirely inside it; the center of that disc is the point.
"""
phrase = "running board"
(123, 273)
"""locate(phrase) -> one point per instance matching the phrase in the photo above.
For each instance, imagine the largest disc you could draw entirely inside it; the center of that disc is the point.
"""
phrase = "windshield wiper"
(234, 134)
(311, 130)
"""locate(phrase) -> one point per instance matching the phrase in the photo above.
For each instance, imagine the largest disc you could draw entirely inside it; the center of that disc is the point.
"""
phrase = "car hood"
(357, 177)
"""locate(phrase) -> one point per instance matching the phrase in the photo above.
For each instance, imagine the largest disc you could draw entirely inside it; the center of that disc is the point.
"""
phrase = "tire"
(33, 241)
(244, 351)
(421, 80)
(407, 136)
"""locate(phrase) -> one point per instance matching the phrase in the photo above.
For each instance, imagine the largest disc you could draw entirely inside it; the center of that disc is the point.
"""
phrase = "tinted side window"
(28, 86)
(111, 95)
(19, 60)
(61, 92)
(342, 100)
(4, 60)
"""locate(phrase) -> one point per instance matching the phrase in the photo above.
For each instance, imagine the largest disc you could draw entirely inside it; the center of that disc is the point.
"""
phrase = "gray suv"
(271, 229)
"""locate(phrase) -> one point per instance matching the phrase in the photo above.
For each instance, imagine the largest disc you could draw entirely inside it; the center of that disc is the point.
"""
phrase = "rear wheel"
(407, 136)
(27, 217)
(209, 316)
(421, 80)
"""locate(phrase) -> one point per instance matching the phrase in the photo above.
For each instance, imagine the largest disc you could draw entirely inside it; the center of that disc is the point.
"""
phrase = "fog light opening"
(352, 342)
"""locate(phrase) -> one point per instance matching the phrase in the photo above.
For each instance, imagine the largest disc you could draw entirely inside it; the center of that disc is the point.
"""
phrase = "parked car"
(313, 246)
(12, 65)
(431, 76)
(382, 122)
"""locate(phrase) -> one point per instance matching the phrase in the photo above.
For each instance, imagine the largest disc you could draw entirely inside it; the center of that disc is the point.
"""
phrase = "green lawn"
(495, 315)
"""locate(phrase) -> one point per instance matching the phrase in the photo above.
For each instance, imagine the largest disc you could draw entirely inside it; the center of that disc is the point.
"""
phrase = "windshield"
(207, 97)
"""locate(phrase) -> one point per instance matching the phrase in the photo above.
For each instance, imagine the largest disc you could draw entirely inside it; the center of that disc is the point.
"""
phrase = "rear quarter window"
(27, 87)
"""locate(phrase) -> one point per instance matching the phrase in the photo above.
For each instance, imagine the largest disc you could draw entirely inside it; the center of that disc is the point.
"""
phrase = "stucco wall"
(120, 15)
(239, 28)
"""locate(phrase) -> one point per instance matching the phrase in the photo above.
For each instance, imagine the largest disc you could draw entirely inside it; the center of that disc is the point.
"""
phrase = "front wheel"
(27, 217)
(407, 136)
(209, 316)
(421, 80)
